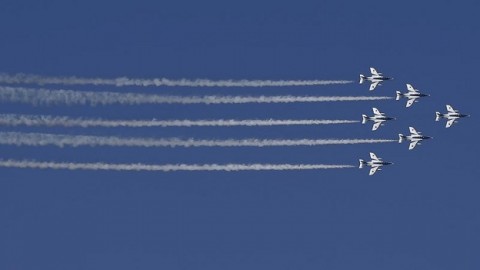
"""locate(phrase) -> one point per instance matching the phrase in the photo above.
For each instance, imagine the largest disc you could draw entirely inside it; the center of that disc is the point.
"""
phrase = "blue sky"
(420, 213)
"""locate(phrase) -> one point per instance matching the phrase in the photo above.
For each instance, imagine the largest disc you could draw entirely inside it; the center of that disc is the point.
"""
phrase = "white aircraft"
(452, 115)
(375, 163)
(376, 78)
(378, 118)
(412, 95)
(415, 137)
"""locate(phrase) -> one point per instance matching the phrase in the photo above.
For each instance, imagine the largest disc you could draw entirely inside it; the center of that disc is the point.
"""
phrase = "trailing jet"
(375, 163)
(415, 137)
(452, 115)
(378, 118)
(412, 95)
(376, 78)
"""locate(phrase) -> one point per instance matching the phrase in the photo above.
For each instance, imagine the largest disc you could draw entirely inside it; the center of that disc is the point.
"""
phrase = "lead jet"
(415, 137)
(452, 115)
(412, 95)
(378, 118)
(375, 163)
(376, 78)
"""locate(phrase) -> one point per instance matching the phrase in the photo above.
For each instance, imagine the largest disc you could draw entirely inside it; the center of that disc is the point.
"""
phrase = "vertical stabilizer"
(438, 116)
(401, 137)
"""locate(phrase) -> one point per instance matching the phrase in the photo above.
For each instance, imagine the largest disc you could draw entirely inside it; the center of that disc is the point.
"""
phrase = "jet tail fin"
(438, 116)
(362, 163)
(401, 137)
(362, 78)
(399, 95)
(364, 118)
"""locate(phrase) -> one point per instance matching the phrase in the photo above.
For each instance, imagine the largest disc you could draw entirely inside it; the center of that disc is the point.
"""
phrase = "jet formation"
(415, 138)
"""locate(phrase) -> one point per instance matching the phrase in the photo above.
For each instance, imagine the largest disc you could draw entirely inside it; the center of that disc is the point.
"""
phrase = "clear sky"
(420, 213)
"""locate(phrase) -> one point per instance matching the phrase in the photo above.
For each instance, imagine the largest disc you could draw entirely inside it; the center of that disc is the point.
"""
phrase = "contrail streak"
(43, 139)
(46, 120)
(165, 168)
(124, 81)
(70, 97)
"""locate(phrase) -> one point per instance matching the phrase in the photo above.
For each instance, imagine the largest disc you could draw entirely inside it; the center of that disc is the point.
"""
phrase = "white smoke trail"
(43, 139)
(70, 97)
(46, 120)
(165, 168)
(124, 81)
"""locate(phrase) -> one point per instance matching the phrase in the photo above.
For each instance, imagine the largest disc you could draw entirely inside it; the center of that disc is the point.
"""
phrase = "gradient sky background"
(420, 213)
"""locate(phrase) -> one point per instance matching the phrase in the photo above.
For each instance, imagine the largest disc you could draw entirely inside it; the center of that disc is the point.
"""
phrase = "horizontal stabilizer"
(399, 95)
(364, 118)
(362, 163)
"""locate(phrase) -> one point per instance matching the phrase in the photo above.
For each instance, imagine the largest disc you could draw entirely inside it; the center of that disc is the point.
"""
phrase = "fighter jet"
(375, 163)
(452, 115)
(415, 137)
(376, 78)
(378, 118)
(412, 95)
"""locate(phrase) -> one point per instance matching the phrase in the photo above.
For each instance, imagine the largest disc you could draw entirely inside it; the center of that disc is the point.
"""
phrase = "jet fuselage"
(377, 78)
(381, 118)
(414, 95)
(417, 137)
(377, 163)
(455, 115)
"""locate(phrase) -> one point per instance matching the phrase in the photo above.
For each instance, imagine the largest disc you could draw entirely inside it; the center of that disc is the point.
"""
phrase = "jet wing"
(374, 71)
(376, 125)
(450, 109)
(411, 89)
(450, 123)
(373, 170)
(376, 111)
(412, 145)
(413, 131)
(373, 156)
(373, 85)
(410, 102)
